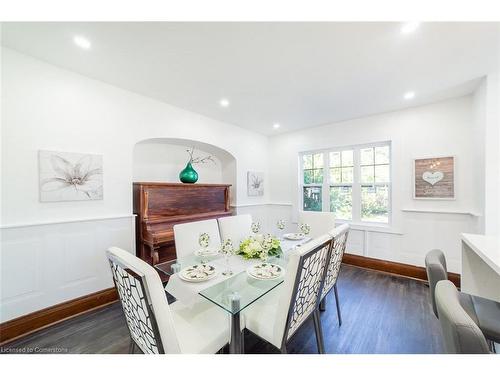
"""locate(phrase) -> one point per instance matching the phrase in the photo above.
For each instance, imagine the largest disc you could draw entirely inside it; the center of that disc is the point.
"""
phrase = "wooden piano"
(159, 206)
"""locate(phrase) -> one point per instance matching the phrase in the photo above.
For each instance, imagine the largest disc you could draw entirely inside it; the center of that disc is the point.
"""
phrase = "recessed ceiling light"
(409, 95)
(82, 42)
(224, 103)
(409, 27)
(276, 125)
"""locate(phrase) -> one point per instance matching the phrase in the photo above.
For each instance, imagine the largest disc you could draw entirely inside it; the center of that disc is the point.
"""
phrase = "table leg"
(235, 339)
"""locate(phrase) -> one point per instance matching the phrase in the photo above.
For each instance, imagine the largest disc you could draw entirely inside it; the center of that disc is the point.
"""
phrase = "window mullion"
(326, 182)
(356, 187)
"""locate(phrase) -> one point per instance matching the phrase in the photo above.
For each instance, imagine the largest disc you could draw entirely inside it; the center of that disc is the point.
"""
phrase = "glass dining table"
(232, 293)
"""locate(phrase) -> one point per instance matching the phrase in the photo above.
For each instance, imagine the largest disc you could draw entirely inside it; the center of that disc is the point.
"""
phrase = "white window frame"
(356, 183)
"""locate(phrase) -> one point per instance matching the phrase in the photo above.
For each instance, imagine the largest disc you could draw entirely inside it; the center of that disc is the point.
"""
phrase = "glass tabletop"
(173, 266)
(241, 290)
(231, 293)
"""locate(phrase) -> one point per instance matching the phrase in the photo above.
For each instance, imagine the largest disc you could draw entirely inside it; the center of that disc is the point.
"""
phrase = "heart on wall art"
(432, 177)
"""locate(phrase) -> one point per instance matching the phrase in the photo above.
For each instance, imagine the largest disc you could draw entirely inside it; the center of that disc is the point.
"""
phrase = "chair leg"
(493, 349)
(322, 304)
(243, 341)
(319, 332)
(283, 349)
(338, 304)
(131, 348)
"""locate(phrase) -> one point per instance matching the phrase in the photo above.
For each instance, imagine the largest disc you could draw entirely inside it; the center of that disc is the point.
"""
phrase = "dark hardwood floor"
(381, 314)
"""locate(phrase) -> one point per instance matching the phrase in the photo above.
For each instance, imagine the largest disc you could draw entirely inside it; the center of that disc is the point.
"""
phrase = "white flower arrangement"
(260, 246)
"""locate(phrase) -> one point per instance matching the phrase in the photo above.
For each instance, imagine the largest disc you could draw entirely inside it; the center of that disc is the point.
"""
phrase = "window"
(375, 171)
(341, 178)
(313, 168)
(353, 182)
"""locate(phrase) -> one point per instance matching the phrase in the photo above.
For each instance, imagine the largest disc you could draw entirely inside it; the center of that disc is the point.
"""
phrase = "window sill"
(371, 227)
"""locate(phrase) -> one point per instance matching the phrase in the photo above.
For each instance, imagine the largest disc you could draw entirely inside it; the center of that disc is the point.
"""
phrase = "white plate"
(294, 236)
(207, 252)
(198, 273)
(265, 271)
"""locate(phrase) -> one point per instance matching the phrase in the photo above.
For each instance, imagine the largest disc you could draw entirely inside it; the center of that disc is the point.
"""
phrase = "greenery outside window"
(353, 182)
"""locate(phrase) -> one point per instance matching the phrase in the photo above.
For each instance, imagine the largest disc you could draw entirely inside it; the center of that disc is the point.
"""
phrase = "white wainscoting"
(49, 263)
(407, 241)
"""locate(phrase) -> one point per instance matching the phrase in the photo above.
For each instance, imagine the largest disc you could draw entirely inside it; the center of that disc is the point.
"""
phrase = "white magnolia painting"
(255, 182)
(66, 176)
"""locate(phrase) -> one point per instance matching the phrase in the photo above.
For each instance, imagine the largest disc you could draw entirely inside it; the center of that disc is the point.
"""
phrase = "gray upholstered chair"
(484, 312)
(461, 334)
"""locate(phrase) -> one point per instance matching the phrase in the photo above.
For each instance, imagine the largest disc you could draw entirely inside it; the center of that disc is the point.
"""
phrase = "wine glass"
(280, 224)
(305, 228)
(266, 245)
(203, 241)
(255, 227)
(227, 249)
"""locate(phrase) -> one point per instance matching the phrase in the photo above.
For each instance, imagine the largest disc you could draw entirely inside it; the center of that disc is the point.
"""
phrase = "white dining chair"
(187, 236)
(278, 316)
(235, 228)
(155, 326)
(339, 241)
(320, 222)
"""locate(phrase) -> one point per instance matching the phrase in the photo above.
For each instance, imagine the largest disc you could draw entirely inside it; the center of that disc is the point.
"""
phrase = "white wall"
(487, 123)
(45, 107)
(49, 108)
(162, 162)
(444, 128)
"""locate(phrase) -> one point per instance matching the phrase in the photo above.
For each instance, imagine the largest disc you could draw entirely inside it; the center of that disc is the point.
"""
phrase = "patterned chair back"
(137, 307)
(305, 293)
(144, 303)
(339, 242)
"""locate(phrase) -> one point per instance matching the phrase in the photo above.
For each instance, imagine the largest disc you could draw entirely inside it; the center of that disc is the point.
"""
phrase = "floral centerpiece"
(260, 247)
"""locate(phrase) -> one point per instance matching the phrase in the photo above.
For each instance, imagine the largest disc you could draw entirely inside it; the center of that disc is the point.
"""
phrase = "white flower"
(78, 176)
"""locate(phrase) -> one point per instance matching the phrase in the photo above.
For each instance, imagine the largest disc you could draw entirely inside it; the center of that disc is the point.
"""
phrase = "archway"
(161, 160)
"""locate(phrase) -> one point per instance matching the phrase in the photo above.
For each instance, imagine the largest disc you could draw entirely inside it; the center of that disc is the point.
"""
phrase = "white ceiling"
(297, 74)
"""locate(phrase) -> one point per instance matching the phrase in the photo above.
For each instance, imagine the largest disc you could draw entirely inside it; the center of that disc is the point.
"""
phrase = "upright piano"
(159, 206)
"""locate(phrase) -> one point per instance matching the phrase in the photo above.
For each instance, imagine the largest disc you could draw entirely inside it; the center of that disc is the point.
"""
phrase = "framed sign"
(434, 178)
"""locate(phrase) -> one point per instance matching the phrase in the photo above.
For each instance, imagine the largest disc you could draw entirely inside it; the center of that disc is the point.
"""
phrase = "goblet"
(280, 224)
(227, 249)
(305, 228)
(255, 227)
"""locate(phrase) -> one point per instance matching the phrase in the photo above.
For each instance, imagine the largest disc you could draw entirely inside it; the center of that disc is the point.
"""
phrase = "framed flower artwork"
(67, 176)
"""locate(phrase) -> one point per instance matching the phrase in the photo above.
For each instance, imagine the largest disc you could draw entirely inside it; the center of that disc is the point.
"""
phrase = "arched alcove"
(161, 160)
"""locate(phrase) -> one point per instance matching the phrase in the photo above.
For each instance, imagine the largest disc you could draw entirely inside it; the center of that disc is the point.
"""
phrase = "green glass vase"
(188, 175)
